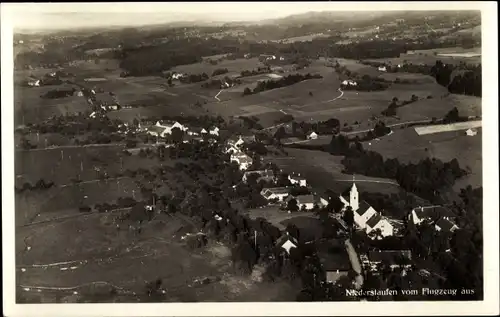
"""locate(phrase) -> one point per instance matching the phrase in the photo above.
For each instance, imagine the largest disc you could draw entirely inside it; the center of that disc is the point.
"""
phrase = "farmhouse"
(334, 260)
(471, 132)
(214, 131)
(392, 259)
(177, 76)
(279, 193)
(349, 82)
(236, 143)
(308, 202)
(312, 136)
(365, 216)
(287, 242)
(243, 160)
(445, 225)
(34, 83)
(265, 175)
(382, 69)
(297, 179)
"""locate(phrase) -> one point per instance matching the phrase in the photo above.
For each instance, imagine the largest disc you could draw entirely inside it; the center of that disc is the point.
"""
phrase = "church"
(365, 216)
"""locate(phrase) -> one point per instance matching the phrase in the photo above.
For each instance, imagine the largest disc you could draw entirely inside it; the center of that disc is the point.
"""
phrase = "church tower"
(354, 198)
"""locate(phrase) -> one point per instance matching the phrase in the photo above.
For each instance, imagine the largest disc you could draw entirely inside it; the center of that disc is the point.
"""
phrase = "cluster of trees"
(41, 184)
(391, 109)
(220, 71)
(260, 70)
(221, 83)
(56, 94)
(75, 125)
(193, 78)
(453, 116)
(282, 82)
(378, 131)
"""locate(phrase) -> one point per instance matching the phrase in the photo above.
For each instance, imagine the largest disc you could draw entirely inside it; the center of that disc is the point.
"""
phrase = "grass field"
(429, 57)
(324, 171)
(128, 261)
(407, 146)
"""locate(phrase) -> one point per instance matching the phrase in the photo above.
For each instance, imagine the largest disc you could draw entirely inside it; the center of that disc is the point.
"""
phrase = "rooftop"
(276, 190)
(433, 212)
(372, 222)
(445, 224)
(305, 199)
(390, 256)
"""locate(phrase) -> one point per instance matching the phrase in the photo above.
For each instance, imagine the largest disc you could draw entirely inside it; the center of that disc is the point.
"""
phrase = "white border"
(490, 305)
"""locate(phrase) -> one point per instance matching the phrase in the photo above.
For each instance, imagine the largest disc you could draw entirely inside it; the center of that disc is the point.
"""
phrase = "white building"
(214, 131)
(471, 132)
(34, 83)
(279, 193)
(382, 69)
(266, 175)
(312, 136)
(162, 130)
(439, 216)
(287, 242)
(243, 160)
(365, 216)
(297, 180)
(349, 82)
(236, 142)
(177, 76)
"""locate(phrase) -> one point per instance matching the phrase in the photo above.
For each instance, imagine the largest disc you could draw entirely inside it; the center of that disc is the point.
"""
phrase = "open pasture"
(60, 165)
(430, 57)
(30, 108)
(128, 260)
(324, 171)
(438, 107)
(407, 146)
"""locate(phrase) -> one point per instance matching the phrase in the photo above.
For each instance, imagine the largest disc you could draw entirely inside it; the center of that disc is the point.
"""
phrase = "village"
(249, 163)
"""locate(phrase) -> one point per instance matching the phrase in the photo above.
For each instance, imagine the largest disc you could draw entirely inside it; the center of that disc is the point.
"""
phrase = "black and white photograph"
(292, 153)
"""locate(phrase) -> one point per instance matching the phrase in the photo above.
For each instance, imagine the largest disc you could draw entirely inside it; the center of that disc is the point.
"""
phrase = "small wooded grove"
(282, 82)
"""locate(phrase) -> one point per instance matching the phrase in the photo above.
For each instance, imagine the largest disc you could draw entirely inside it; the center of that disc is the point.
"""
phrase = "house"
(231, 149)
(247, 55)
(334, 260)
(282, 58)
(279, 193)
(287, 242)
(349, 82)
(471, 132)
(243, 160)
(177, 76)
(34, 83)
(236, 143)
(162, 130)
(308, 202)
(214, 131)
(157, 131)
(445, 225)
(430, 214)
(266, 175)
(392, 259)
(380, 224)
(365, 216)
(79, 94)
(203, 131)
(312, 136)
(382, 69)
(297, 179)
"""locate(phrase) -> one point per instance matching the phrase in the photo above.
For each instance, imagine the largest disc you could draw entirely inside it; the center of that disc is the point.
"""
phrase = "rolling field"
(407, 146)
(324, 171)
(429, 57)
(121, 258)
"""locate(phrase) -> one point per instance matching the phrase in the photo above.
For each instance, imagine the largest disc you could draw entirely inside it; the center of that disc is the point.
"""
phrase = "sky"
(35, 16)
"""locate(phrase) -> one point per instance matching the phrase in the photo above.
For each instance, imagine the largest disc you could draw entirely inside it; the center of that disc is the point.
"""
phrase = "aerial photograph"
(303, 155)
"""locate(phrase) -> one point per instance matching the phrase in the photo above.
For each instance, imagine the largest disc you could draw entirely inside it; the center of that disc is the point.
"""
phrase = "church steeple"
(354, 197)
